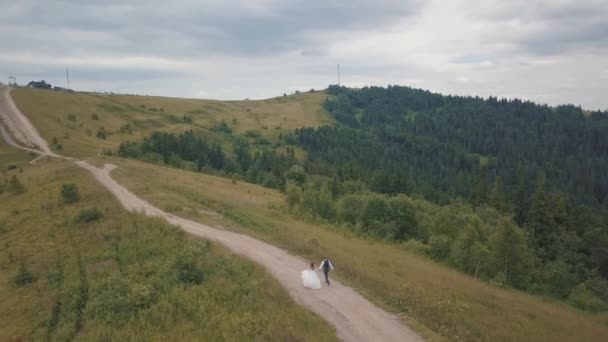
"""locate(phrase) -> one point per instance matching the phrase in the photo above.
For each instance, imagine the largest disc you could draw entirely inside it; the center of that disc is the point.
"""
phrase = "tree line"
(505, 190)
(192, 152)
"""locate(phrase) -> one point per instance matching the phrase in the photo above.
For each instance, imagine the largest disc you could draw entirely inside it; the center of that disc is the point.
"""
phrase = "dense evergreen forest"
(452, 146)
(508, 191)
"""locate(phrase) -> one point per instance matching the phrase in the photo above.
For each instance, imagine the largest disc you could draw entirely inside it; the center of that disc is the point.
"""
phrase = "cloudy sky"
(549, 51)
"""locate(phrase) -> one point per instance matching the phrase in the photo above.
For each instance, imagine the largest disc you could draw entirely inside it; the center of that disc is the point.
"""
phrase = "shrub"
(583, 298)
(88, 215)
(222, 127)
(126, 129)
(111, 301)
(439, 247)
(190, 166)
(70, 193)
(72, 117)
(252, 134)
(415, 246)
(14, 186)
(95, 116)
(23, 276)
(153, 157)
(55, 144)
(102, 134)
(187, 270)
(294, 195)
(174, 160)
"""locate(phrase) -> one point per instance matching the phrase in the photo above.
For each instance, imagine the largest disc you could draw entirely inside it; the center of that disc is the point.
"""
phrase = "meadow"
(439, 302)
(74, 265)
(86, 124)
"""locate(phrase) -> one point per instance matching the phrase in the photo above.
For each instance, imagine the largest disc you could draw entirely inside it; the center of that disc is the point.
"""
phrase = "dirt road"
(353, 316)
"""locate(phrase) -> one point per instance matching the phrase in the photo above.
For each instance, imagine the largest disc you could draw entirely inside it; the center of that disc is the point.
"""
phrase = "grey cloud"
(193, 28)
(548, 27)
(264, 48)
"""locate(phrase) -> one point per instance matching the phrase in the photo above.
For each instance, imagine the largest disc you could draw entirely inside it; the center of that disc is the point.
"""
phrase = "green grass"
(437, 301)
(70, 118)
(89, 270)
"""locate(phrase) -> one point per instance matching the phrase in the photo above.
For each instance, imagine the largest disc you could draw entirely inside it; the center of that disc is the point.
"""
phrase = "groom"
(326, 266)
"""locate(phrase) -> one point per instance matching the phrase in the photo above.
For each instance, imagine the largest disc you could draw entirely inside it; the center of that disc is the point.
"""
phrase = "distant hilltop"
(43, 85)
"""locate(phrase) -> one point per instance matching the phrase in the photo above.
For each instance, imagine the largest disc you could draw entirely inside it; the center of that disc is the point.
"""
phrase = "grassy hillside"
(78, 121)
(70, 272)
(431, 296)
(437, 301)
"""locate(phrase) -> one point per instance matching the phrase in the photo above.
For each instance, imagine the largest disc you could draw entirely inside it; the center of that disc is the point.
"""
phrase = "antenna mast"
(67, 76)
(338, 74)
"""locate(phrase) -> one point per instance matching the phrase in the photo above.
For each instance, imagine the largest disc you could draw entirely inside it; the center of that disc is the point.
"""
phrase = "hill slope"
(90, 270)
(86, 123)
(442, 300)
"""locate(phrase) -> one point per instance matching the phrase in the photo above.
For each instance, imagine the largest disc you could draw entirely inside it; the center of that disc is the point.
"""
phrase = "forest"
(508, 191)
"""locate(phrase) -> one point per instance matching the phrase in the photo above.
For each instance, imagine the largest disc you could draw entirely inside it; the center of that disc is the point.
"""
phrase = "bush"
(126, 129)
(187, 270)
(222, 127)
(72, 117)
(94, 116)
(189, 166)
(111, 301)
(23, 276)
(55, 144)
(70, 193)
(88, 215)
(416, 247)
(252, 134)
(174, 160)
(583, 298)
(153, 157)
(129, 149)
(439, 247)
(14, 186)
(102, 134)
(294, 195)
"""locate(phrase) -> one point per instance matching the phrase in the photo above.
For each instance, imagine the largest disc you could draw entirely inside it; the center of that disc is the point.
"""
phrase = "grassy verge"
(83, 124)
(89, 270)
(439, 302)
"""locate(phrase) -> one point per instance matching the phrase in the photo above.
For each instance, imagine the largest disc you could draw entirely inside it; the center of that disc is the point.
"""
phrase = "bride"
(310, 278)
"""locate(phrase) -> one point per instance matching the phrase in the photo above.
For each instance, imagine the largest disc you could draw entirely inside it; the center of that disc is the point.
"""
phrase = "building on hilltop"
(40, 84)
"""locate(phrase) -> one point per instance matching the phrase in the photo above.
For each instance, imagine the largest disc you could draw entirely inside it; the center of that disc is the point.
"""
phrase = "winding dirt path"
(353, 316)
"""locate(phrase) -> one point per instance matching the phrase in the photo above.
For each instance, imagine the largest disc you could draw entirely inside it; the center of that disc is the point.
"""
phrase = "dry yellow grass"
(440, 302)
(50, 112)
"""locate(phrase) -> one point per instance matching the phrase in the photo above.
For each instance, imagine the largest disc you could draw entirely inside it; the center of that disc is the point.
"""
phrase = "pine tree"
(511, 255)
(497, 198)
(520, 201)
(241, 151)
(540, 221)
(480, 188)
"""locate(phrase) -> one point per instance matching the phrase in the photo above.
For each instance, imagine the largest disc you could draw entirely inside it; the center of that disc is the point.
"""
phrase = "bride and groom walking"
(310, 278)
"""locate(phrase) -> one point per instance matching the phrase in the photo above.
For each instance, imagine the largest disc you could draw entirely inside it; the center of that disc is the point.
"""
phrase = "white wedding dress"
(311, 280)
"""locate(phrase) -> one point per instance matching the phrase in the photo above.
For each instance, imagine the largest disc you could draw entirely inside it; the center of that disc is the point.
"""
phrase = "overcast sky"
(549, 51)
